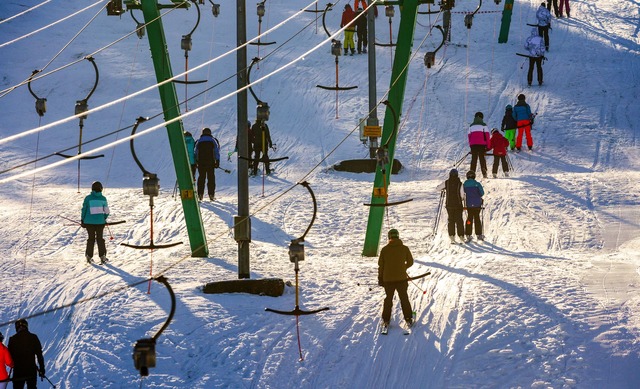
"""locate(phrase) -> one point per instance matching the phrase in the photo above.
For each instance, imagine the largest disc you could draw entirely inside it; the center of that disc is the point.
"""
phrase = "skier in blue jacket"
(95, 211)
(473, 192)
(207, 153)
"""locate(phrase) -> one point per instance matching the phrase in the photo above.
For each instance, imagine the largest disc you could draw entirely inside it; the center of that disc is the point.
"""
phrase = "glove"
(83, 225)
(380, 282)
(229, 154)
(216, 164)
(41, 373)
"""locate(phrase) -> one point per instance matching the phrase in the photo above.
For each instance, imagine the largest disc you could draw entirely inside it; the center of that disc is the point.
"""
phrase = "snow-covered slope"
(550, 299)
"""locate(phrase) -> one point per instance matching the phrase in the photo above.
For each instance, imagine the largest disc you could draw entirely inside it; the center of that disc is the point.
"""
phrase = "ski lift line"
(52, 24)
(8, 90)
(155, 86)
(25, 11)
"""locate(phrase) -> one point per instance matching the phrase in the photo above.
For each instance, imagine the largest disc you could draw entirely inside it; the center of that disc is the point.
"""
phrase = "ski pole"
(109, 229)
(462, 159)
(438, 212)
(47, 378)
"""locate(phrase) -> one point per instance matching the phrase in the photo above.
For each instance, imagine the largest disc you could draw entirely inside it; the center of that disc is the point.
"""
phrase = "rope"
(50, 25)
(24, 12)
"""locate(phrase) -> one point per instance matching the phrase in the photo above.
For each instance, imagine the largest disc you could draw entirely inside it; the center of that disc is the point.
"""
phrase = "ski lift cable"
(25, 11)
(50, 25)
(6, 91)
(155, 86)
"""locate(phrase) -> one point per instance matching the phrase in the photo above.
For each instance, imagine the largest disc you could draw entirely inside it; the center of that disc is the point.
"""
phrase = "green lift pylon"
(408, 13)
(171, 109)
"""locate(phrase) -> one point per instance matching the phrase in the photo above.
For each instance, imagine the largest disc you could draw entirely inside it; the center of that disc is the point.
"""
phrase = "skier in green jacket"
(395, 259)
(95, 211)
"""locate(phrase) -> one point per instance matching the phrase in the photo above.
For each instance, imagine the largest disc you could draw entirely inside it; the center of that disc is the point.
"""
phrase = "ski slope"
(549, 300)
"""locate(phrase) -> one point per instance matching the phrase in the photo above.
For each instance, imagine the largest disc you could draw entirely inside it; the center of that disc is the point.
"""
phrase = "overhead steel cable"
(49, 25)
(153, 87)
(25, 11)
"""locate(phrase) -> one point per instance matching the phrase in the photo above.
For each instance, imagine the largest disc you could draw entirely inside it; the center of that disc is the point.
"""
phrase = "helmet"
(21, 323)
(508, 107)
(494, 130)
(206, 131)
(471, 175)
(393, 233)
(521, 97)
(453, 173)
(96, 186)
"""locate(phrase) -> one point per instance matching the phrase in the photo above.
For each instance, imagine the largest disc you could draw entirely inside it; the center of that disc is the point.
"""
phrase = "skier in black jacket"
(25, 347)
(261, 139)
(207, 153)
(454, 197)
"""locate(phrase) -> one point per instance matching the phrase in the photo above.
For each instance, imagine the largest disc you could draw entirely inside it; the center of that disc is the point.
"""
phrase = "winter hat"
(96, 186)
(471, 175)
(494, 130)
(521, 97)
(509, 107)
(21, 323)
(187, 133)
(479, 115)
(206, 131)
(453, 173)
(393, 234)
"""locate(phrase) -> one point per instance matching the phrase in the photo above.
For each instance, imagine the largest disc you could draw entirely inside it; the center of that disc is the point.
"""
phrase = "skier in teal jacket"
(95, 211)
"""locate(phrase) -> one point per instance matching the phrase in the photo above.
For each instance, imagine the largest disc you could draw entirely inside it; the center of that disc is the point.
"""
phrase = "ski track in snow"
(548, 300)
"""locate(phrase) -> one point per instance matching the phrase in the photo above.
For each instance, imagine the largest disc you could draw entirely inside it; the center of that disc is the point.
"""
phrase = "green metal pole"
(506, 21)
(175, 130)
(408, 13)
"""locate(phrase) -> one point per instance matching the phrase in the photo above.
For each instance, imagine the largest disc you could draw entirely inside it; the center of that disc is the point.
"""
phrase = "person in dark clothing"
(25, 348)
(535, 46)
(509, 126)
(544, 24)
(555, 7)
(395, 259)
(473, 193)
(453, 203)
(361, 31)
(95, 211)
(191, 144)
(261, 139)
(207, 153)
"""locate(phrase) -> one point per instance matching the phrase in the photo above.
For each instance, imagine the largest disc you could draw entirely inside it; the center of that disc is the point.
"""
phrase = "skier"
(544, 24)
(95, 211)
(509, 126)
(555, 7)
(395, 258)
(261, 139)
(453, 203)
(535, 46)
(499, 145)
(191, 144)
(207, 153)
(249, 143)
(347, 20)
(361, 29)
(564, 4)
(524, 119)
(478, 136)
(473, 197)
(25, 348)
(5, 360)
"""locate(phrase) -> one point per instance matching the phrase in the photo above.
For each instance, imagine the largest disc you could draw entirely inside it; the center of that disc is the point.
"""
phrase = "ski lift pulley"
(41, 103)
(468, 20)
(215, 8)
(151, 185)
(140, 28)
(389, 11)
(260, 8)
(336, 47)
(263, 111)
(185, 43)
(114, 8)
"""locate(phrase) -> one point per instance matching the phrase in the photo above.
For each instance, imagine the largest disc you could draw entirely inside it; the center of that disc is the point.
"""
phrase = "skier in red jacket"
(5, 360)
(499, 145)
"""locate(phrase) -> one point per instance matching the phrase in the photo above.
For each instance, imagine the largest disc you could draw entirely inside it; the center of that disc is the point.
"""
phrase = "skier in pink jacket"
(479, 143)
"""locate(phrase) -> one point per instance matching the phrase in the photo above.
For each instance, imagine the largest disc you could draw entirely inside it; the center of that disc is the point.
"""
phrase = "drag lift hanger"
(382, 157)
(262, 107)
(140, 29)
(186, 45)
(430, 56)
(81, 107)
(296, 254)
(151, 188)
(336, 50)
(468, 18)
(41, 103)
(316, 10)
(389, 12)
(144, 352)
(260, 11)
(215, 8)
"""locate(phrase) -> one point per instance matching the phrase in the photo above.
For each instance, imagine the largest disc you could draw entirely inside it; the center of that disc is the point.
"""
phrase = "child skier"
(473, 196)
(509, 126)
(499, 145)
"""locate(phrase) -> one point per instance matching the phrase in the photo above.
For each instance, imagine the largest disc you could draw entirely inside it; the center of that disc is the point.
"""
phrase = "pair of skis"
(406, 328)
